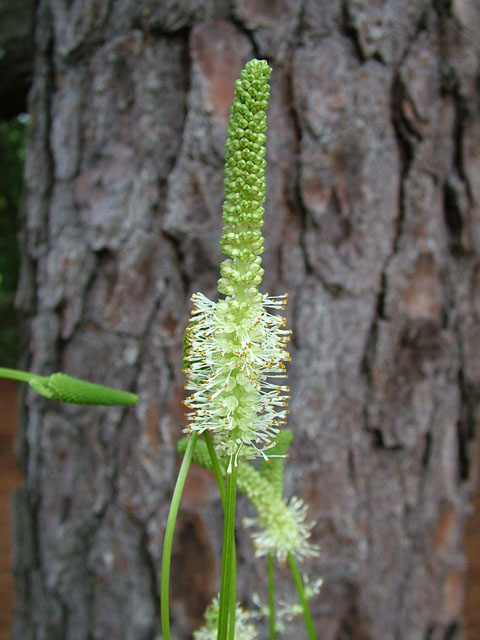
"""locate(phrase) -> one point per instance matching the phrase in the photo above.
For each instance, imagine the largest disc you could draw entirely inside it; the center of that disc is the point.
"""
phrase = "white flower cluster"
(282, 529)
(244, 630)
(234, 357)
(286, 611)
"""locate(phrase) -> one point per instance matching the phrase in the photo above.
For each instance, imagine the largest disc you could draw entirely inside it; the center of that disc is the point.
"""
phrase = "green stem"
(302, 597)
(233, 594)
(22, 376)
(271, 595)
(221, 488)
(215, 466)
(227, 552)
(168, 541)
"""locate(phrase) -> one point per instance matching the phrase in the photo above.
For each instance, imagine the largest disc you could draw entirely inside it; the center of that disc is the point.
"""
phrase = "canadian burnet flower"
(281, 527)
(286, 610)
(235, 348)
(244, 628)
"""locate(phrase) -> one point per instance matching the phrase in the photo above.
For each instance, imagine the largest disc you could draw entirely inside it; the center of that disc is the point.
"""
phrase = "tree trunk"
(372, 226)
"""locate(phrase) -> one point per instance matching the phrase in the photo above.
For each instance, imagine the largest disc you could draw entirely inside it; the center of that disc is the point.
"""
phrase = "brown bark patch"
(453, 587)
(151, 431)
(423, 297)
(446, 530)
(197, 488)
(193, 568)
(220, 51)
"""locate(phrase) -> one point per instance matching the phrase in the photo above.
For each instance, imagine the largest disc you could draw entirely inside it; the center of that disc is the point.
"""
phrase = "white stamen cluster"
(244, 629)
(286, 611)
(282, 529)
(234, 359)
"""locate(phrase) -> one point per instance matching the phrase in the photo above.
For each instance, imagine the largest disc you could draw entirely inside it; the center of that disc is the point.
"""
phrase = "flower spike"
(281, 527)
(235, 349)
(245, 186)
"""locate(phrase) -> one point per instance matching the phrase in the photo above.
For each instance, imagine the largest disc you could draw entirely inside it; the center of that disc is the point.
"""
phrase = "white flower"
(282, 527)
(244, 630)
(234, 358)
(286, 611)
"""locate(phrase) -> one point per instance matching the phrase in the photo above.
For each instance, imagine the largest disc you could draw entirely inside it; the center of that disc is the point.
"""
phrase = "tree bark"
(372, 226)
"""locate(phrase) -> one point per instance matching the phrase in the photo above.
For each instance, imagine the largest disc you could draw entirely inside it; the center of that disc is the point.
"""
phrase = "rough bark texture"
(372, 225)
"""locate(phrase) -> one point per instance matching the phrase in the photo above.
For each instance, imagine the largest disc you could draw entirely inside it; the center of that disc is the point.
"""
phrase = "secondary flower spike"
(281, 526)
(235, 349)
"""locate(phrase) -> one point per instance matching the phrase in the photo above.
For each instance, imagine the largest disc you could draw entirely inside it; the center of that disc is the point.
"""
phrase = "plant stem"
(227, 552)
(215, 466)
(168, 541)
(221, 488)
(302, 597)
(271, 595)
(22, 376)
(233, 593)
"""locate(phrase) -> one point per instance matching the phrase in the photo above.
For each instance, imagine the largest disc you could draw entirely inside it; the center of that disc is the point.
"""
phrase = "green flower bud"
(245, 180)
(64, 388)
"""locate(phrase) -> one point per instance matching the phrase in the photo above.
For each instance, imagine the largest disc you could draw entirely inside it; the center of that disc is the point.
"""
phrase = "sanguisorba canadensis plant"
(234, 360)
(235, 350)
